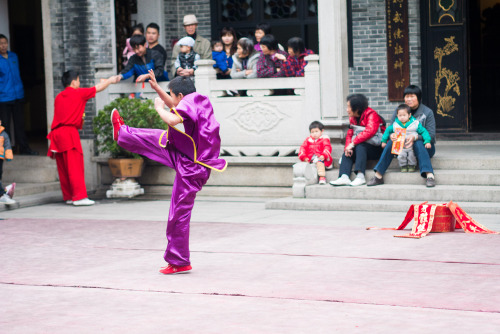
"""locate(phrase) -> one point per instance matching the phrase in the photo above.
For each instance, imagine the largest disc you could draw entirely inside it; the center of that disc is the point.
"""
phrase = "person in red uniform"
(65, 145)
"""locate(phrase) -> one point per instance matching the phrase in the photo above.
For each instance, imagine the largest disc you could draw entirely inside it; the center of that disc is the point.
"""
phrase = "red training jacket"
(371, 121)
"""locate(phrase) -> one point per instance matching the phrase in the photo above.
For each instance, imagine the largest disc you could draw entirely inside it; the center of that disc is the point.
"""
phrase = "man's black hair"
(181, 85)
(406, 107)
(269, 41)
(3, 36)
(69, 76)
(412, 89)
(358, 103)
(316, 125)
(265, 27)
(137, 40)
(297, 45)
(154, 26)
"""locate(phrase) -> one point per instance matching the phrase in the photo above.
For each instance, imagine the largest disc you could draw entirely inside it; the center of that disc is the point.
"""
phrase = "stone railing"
(259, 124)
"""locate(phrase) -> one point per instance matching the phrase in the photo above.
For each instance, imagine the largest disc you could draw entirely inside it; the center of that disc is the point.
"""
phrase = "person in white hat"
(201, 44)
(184, 64)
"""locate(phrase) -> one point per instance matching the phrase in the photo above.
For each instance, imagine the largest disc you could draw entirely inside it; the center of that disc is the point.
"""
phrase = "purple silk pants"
(189, 179)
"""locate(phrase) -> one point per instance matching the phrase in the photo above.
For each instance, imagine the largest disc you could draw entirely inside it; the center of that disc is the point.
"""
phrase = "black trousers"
(14, 110)
(362, 153)
(2, 191)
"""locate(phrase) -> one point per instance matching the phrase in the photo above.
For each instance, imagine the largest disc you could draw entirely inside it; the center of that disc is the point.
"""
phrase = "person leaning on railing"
(294, 64)
(269, 65)
(245, 60)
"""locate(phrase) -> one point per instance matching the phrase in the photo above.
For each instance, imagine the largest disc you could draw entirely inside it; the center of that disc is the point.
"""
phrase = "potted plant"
(136, 113)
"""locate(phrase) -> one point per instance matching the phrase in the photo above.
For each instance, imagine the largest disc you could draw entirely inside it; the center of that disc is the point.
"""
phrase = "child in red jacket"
(317, 149)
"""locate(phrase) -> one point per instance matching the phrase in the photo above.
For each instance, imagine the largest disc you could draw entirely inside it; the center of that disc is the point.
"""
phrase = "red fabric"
(69, 107)
(320, 146)
(371, 121)
(71, 174)
(423, 217)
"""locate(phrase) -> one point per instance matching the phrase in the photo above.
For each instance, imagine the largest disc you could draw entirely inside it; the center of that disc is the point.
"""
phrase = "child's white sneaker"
(6, 199)
(83, 202)
(322, 180)
(343, 180)
(359, 180)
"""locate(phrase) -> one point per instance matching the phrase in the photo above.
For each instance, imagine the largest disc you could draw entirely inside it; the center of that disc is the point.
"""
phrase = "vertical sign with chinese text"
(398, 50)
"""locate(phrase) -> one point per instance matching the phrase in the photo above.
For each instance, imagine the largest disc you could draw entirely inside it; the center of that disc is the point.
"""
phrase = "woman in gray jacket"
(245, 60)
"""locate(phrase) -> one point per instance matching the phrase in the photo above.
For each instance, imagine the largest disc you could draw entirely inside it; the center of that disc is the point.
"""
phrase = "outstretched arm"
(163, 95)
(106, 82)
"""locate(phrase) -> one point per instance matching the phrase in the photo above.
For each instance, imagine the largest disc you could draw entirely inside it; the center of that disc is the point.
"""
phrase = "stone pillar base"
(127, 188)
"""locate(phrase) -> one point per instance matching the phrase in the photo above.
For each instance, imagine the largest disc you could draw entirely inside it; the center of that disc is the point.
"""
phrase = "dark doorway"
(444, 63)
(484, 51)
(26, 40)
(288, 18)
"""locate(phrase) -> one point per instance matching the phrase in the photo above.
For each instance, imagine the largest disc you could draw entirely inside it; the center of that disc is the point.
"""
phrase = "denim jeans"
(423, 156)
(362, 153)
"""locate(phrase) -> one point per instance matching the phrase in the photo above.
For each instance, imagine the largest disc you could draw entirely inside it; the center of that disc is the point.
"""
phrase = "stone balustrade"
(259, 124)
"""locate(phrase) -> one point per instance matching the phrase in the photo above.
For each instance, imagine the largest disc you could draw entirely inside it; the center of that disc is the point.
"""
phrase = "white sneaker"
(341, 181)
(6, 199)
(9, 190)
(358, 181)
(69, 202)
(83, 202)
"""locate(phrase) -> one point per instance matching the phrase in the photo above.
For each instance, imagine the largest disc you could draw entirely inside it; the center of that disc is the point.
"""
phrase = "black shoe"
(375, 181)
(28, 152)
(430, 182)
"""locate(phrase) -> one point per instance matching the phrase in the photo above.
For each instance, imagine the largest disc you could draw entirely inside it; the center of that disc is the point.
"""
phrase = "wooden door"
(444, 62)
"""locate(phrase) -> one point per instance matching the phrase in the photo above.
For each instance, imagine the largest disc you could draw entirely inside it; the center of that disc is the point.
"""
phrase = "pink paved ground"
(87, 276)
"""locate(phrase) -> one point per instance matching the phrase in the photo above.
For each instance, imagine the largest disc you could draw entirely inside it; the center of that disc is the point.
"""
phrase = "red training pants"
(71, 175)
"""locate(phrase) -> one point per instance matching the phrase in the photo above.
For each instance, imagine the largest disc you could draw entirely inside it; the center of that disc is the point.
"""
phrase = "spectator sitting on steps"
(413, 98)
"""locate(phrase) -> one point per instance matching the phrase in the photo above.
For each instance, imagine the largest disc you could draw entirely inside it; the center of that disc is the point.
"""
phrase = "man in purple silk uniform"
(192, 153)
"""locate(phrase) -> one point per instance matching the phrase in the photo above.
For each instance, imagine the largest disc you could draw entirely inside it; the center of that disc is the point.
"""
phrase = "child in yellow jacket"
(5, 154)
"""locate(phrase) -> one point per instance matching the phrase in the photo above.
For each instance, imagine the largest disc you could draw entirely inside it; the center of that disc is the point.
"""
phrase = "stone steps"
(483, 177)
(323, 204)
(30, 169)
(408, 192)
(467, 173)
(24, 201)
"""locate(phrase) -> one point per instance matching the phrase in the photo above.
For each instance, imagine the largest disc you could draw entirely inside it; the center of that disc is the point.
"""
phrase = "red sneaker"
(117, 122)
(171, 269)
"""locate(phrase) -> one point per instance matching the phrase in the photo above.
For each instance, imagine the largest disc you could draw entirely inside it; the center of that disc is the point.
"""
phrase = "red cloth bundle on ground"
(437, 218)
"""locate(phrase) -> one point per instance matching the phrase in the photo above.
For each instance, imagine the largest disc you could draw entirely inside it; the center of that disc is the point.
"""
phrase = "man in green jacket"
(201, 45)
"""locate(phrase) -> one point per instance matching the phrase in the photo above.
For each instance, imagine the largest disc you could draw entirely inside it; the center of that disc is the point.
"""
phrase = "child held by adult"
(185, 62)
(174, 148)
(408, 125)
(317, 149)
(7, 193)
(220, 58)
(128, 51)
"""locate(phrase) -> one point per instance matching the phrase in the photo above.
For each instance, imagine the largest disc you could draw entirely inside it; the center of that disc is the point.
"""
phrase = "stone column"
(332, 27)
(203, 75)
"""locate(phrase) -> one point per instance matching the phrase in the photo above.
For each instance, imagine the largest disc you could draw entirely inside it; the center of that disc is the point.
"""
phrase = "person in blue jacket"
(12, 96)
(145, 59)
(220, 57)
